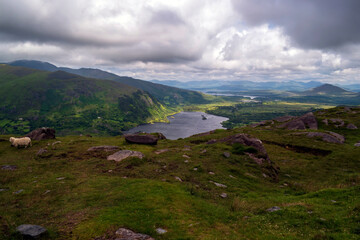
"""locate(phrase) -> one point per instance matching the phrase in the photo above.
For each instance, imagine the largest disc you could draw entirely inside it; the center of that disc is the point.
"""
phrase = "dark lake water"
(182, 125)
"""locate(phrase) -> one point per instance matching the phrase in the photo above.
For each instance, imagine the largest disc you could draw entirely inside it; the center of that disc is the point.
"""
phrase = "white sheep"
(20, 142)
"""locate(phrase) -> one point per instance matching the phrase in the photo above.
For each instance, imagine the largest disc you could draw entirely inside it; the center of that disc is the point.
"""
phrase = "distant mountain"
(221, 85)
(44, 66)
(169, 96)
(326, 89)
(71, 103)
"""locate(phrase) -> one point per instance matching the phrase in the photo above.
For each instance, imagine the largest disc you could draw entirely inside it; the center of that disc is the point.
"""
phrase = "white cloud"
(161, 39)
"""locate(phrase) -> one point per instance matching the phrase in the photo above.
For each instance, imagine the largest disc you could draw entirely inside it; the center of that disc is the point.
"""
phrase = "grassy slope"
(81, 195)
(71, 103)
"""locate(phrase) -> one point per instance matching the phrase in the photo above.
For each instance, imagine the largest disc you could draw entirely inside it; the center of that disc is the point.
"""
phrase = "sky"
(258, 40)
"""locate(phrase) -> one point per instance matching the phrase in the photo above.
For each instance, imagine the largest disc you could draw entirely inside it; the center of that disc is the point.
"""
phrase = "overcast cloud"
(189, 40)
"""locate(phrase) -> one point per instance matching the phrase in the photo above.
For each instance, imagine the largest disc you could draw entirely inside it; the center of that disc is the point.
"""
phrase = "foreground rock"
(105, 148)
(122, 154)
(31, 231)
(42, 134)
(126, 234)
(273, 209)
(307, 121)
(146, 139)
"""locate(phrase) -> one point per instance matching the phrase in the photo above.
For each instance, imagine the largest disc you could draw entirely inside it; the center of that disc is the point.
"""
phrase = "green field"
(78, 194)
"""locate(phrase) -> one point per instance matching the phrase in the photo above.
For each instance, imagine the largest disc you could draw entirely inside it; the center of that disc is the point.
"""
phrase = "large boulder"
(29, 231)
(122, 154)
(306, 121)
(41, 134)
(329, 137)
(141, 139)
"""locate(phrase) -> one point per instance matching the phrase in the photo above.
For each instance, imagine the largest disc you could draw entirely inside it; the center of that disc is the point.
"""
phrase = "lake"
(182, 125)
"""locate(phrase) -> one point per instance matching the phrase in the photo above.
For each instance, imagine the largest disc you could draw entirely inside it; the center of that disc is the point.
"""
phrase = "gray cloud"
(322, 24)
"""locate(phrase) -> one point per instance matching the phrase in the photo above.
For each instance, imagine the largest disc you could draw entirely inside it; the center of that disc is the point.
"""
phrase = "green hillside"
(169, 96)
(78, 194)
(70, 103)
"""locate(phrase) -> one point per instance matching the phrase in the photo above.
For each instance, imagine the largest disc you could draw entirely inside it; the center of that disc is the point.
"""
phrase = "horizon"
(238, 40)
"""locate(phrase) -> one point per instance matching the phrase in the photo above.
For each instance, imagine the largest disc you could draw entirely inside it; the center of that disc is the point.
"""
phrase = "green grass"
(80, 195)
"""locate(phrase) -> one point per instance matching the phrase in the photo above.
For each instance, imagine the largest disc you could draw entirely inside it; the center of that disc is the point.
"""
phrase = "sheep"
(20, 142)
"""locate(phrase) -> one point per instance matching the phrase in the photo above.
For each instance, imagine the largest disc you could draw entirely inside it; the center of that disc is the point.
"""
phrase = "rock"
(306, 121)
(226, 154)
(211, 141)
(105, 148)
(161, 136)
(54, 143)
(223, 195)
(284, 118)
(18, 191)
(185, 156)
(195, 169)
(42, 134)
(31, 231)
(122, 154)
(211, 173)
(351, 126)
(146, 139)
(203, 151)
(161, 151)
(60, 178)
(9, 167)
(218, 184)
(357, 144)
(330, 137)
(161, 231)
(337, 122)
(177, 178)
(326, 122)
(273, 209)
(41, 151)
(126, 234)
(3, 189)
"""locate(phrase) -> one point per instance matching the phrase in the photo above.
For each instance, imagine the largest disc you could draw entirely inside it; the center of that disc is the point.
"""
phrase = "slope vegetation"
(70, 103)
(201, 187)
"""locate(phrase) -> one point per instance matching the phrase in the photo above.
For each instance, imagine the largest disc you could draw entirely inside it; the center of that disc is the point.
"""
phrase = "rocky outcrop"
(126, 234)
(283, 118)
(105, 148)
(351, 126)
(329, 137)
(337, 122)
(307, 121)
(146, 139)
(122, 154)
(42, 134)
(29, 231)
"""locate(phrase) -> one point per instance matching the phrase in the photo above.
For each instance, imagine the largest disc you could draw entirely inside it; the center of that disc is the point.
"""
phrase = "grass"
(78, 194)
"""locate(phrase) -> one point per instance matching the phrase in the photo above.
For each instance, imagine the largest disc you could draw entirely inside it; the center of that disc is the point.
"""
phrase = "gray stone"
(146, 139)
(42, 134)
(219, 184)
(226, 154)
(273, 209)
(284, 118)
(41, 151)
(3, 189)
(330, 137)
(122, 154)
(223, 195)
(306, 121)
(177, 178)
(9, 167)
(18, 191)
(32, 231)
(126, 234)
(161, 231)
(105, 148)
(161, 151)
(351, 126)
(357, 144)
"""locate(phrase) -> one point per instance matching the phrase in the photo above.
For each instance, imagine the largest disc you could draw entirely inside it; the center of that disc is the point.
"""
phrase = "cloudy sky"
(258, 40)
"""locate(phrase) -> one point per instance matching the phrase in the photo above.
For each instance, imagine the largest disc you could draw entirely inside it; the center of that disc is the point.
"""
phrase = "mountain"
(221, 85)
(71, 103)
(169, 96)
(44, 66)
(326, 89)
